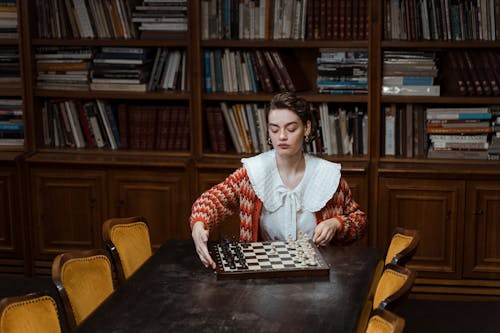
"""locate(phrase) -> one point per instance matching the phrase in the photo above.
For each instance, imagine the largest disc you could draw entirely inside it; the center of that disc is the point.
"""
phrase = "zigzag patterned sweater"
(236, 193)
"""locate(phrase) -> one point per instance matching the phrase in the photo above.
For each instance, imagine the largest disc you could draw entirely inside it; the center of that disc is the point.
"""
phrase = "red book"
(164, 116)
(85, 124)
(263, 72)
(274, 70)
(123, 126)
(290, 71)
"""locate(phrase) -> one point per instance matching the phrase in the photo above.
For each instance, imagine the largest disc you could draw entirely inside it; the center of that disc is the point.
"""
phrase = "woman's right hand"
(200, 238)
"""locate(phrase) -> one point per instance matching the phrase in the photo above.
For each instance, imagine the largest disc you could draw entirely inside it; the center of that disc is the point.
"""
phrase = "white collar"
(321, 180)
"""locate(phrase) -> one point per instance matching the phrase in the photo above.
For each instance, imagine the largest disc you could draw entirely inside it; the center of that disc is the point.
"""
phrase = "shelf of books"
(11, 92)
(317, 49)
(440, 95)
(112, 76)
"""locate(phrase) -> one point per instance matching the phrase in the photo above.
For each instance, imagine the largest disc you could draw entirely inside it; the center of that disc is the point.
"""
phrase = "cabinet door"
(230, 228)
(68, 206)
(11, 240)
(435, 208)
(482, 230)
(160, 197)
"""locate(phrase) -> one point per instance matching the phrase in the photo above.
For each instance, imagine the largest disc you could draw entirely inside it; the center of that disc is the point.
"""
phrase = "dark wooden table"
(173, 292)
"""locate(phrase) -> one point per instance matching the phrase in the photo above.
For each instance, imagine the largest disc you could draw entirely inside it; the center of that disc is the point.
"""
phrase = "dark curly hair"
(297, 104)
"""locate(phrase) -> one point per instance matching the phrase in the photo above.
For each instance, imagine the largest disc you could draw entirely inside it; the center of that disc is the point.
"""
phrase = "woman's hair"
(299, 106)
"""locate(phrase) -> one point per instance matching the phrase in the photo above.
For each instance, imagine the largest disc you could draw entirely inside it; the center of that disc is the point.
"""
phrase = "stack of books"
(458, 133)
(494, 145)
(342, 71)
(121, 69)
(410, 73)
(8, 19)
(9, 66)
(161, 19)
(11, 122)
(63, 67)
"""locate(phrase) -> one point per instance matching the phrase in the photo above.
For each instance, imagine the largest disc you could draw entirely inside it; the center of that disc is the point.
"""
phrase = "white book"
(411, 90)
(390, 132)
(74, 122)
(83, 19)
(231, 124)
(252, 125)
(101, 107)
(323, 111)
(332, 133)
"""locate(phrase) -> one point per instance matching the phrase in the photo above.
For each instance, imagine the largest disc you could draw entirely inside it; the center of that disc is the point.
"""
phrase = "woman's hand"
(200, 238)
(324, 231)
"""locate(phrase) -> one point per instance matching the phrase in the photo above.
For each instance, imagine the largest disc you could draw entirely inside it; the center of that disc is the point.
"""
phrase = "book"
(411, 90)
(290, 71)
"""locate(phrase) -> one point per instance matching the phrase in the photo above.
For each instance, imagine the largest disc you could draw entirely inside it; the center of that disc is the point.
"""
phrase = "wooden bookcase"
(61, 196)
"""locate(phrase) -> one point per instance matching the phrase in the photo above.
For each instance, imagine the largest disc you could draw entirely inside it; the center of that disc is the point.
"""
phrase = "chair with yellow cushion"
(128, 240)
(30, 313)
(403, 245)
(84, 279)
(393, 287)
(384, 321)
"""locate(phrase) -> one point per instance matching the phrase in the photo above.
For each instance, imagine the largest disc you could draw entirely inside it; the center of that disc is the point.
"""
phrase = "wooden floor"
(421, 315)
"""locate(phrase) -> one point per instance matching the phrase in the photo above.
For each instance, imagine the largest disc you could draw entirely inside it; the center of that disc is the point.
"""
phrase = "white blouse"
(286, 212)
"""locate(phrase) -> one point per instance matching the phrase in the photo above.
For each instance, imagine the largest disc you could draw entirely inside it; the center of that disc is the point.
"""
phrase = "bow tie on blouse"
(291, 202)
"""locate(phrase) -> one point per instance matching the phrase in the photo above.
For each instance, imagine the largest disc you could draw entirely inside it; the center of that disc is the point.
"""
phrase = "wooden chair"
(84, 279)
(30, 313)
(384, 321)
(393, 287)
(404, 243)
(128, 241)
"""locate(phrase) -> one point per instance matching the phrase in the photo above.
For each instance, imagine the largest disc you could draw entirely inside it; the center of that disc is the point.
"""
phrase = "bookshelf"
(62, 193)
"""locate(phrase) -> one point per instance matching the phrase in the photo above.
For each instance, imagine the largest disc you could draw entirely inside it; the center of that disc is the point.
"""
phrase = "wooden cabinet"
(68, 208)
(435, 208)
(162, 197)
(11, 220)
(482, 230)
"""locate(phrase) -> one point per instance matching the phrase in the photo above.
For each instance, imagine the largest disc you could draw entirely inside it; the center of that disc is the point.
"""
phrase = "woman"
(282, 192)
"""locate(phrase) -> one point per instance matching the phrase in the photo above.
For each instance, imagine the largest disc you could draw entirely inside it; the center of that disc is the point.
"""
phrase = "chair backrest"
(129, 243)
(393, 287)
(84, 279)
(30, 313)
(384, 321)
(403, 245)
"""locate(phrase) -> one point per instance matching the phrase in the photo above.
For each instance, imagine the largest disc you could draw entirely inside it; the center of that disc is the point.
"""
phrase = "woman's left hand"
(324, 231)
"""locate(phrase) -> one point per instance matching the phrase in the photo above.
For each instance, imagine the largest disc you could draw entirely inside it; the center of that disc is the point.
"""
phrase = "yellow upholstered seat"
(84, 280)
(31, 313)
(129, 243)
(394, 285)
(384, 321)
(403, 245)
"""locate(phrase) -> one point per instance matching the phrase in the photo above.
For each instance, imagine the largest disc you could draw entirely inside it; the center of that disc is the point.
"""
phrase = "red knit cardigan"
(236, 193)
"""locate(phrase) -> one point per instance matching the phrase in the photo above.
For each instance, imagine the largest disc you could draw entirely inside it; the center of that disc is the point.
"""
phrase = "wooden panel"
(482, 230)
(67, 210)
(435, 209)
(161, 197)
(11, 239)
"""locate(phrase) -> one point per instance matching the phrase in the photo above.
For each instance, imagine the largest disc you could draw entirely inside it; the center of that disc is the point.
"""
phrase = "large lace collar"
(321, 179)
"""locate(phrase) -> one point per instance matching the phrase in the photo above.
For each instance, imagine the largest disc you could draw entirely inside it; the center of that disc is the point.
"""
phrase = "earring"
(269, 141)
(307, 139)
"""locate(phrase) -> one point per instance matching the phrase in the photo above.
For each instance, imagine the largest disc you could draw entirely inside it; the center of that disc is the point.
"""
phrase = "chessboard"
(237, 260)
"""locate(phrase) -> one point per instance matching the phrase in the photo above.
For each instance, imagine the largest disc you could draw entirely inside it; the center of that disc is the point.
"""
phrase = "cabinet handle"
(478, 211)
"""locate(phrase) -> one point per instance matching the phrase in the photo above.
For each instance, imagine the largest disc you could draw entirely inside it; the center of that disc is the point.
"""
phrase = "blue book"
(6, 126)
(208, 83)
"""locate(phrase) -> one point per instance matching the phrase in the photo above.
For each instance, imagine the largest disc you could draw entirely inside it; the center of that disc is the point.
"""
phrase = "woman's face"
(286, 131)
